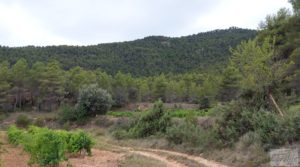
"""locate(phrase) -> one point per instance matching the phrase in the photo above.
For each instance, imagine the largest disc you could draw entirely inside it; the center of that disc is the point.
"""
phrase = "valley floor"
(111, 156)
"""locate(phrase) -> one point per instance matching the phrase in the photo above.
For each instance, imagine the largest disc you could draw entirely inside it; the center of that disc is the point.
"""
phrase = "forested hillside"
(144, 57)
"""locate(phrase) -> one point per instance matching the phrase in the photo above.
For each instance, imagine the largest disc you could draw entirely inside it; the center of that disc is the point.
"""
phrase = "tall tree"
(19, 78)
(52, 90)
(4, 84)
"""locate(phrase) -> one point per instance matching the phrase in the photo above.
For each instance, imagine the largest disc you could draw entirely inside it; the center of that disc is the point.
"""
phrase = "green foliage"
(273, 130)
(204, 103)
(183, 113)
(66, 113)
(14, 135)
(79, 141)
(69, 114)
(122, 113)
(151, 122)
(190, 135)
(48, 147)
(45, 147)
(23, 121)
(149, 56)
(229, 85)
(120, 134)
(94, 100)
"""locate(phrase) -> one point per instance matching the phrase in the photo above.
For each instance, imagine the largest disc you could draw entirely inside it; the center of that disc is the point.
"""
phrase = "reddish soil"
(100, 158)
(14, 156)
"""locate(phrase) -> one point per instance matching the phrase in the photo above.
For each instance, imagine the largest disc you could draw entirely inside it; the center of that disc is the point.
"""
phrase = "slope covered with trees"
(144, 57)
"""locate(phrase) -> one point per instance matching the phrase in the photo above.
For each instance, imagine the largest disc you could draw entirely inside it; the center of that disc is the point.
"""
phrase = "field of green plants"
(176, 113)
(49, 147)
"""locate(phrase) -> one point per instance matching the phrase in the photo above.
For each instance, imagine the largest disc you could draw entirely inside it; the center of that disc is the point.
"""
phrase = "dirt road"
(12, 156)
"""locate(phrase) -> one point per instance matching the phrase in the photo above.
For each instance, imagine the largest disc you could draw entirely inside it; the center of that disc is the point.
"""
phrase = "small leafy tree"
(94, 100)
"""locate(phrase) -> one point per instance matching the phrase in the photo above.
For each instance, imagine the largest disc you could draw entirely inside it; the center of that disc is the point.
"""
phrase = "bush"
(45, 147)
(23, 121)
(48, 147)
(233, 123)
(14, 135)
(272, 129)
(120, 134)
(72, 114)
(189, 135)
(94, 100)
(151, 122)
(79, 141)
(204, 103)
(66, 113)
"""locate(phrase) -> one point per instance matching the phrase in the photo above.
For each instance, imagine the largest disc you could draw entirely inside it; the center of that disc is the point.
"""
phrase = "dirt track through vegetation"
(12, 156)
(155, 154)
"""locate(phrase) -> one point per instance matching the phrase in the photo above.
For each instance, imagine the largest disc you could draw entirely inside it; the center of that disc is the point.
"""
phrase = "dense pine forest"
(49, 76)
(144, 57)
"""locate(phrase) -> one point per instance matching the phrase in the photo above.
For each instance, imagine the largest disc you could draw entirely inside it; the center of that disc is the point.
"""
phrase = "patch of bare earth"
(14, 156)
(99, 158)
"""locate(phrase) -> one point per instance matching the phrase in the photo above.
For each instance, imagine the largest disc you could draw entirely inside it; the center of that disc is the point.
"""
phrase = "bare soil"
(12, 156)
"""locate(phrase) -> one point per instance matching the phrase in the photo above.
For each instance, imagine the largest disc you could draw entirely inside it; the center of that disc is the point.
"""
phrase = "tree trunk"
(276, 105)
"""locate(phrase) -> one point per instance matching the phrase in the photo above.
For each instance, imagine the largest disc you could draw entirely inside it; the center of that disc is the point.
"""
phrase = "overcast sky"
(85, 22)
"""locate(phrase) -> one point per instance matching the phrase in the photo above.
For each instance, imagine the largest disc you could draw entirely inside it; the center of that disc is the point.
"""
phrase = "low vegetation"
(49, 147)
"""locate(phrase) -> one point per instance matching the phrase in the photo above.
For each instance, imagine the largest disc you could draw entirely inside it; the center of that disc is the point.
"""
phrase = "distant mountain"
(143, 57)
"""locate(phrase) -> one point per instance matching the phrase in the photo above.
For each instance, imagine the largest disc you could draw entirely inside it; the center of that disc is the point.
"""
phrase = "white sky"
(86, 22)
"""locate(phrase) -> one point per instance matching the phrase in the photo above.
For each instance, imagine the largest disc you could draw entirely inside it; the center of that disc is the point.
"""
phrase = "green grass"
(122, 113)
(293, 110)
(178, 113)
(182, 113)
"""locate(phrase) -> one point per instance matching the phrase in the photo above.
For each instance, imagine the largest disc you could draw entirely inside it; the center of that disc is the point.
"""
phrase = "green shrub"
(48, 147)
(23, 121)
(272, 129)
(45, 147)
(204, 103)
(14, 135)
(233, 123)
(275, 131)
(79, 141)
(151, 122)
(190, 135)
(120, 134)
(72, 114)
(94, 100)
(66, 113)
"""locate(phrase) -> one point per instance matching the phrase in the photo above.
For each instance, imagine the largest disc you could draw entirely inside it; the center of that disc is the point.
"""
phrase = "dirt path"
(200, 160)
(99, 158)
(12, 156)
(15, 157)
(155, 154)
(165, 160)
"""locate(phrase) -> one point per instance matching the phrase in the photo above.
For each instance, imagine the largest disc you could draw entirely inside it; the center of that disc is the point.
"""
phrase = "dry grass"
(134, 160)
